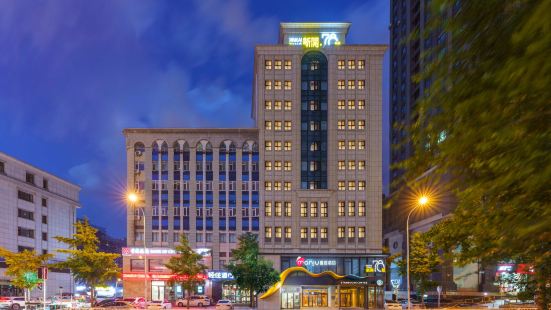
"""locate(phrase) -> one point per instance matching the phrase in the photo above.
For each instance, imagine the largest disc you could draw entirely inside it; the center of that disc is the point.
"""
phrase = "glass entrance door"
(157, 290)
(314, 297)
(352, 297)
(290, 300)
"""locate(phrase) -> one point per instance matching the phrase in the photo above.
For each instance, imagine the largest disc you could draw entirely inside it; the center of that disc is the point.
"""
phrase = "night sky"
(74, 73)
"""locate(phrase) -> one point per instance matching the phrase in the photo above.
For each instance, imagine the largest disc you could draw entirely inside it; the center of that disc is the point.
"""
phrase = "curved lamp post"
(421, 202)
(132, 198)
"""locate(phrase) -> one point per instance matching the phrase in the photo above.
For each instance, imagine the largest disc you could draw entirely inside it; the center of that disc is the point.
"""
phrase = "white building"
(35, 206)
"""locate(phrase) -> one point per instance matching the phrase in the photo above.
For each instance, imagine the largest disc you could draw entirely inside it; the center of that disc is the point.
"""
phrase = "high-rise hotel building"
(307, 179)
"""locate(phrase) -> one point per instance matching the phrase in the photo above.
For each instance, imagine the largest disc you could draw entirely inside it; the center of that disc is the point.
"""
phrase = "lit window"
(341, 165)
(341, 185)
(314, 146)
(277, 145)
(361, 165)
(313, 209)
(268, 186)
(340, 64)
(288, 64)
(361, 124)
(313, 233)
(313, 165)
(361, 185)
(277, 208)
(314, 126)
(342, 145)
(351, 84)
(288, 209)
(288, 232)
(268, 145)
(287, 166)
(340, 104)
(277, 165)
(277, 85)
(314, 106)
(351, 185)
(268, 84)
(277, 65)
(361, 232)
(351, 165)
(361, 104)
(277, 105)
(303, 209)
(288, 105)
(351, 232)
(277, 125)
(341, 124)
(287, 125)
(351, 64)
(340, 232)
(268, 165)
(268, 125)
(361, 144)
(361, 84)
(287, 146)
(361, 64)
(351, 208)
(351, 124)
(323, 233)
(268, 208)
(278, 232)
(288, 85)
(361, 208)
(277, 185)
(340, 84)
(268, 232)
(341, 206)
(287, 186)
(268, 64)
(304, 233)
(323, 209)
(267, 105)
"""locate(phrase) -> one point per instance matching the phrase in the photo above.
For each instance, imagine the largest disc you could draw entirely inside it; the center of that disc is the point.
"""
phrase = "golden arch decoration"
(272, 290)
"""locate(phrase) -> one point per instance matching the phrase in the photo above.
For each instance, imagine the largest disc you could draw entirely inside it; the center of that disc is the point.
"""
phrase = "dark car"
(103, 302)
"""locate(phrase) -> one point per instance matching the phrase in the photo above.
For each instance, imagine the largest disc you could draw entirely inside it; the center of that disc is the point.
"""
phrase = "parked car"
(105, 301)
(14, 303)
(118, 304)
(138, 302)
(392, 305)
(224, 304)
(159, 304)
(194, 301)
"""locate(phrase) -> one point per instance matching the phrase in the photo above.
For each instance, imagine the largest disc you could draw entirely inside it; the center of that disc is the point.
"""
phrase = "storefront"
(328, 282)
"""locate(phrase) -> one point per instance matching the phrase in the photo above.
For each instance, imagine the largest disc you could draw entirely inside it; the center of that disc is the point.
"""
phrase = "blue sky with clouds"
(74, 73)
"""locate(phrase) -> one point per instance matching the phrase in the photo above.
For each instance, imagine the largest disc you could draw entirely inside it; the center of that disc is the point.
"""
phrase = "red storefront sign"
(158, 277)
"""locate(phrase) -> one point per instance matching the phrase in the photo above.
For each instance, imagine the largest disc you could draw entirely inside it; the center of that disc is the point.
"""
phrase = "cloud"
(85, 175)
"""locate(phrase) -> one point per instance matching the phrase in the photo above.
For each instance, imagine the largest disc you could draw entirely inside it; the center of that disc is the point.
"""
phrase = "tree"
(187, 267)
(423, 261)
(23, 267)
(484, 121)
(87, 265)
(250, 270)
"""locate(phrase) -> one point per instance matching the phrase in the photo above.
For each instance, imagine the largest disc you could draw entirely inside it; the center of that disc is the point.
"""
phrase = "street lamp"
(422, 201)
(132, 198)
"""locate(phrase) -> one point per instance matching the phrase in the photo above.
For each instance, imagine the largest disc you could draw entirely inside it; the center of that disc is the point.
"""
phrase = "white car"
(14, 303)
(194, 301)
(224, 304)
(158, 304)
(138, 302)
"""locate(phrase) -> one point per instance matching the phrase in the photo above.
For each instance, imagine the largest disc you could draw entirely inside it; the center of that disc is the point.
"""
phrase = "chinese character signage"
(314, 40)
(219, 275)
(375, 265)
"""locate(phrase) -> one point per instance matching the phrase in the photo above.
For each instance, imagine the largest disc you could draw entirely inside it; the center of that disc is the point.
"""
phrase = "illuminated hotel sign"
(323, 39)
(159, 251)
(311, 262)
(220, 275)
(377, 265)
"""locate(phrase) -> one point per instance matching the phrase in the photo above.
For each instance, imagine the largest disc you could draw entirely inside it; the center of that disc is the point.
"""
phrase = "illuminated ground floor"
(299, 288)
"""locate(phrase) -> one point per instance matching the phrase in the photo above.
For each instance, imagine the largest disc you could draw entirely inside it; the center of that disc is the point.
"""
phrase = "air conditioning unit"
(138, 153)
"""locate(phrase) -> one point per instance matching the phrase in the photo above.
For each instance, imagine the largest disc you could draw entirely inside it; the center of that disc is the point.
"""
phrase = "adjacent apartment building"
(307, 180)
(36, 206)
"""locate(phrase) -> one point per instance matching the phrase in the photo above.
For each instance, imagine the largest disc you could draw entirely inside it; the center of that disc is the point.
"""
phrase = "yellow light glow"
(311, 42)
(423, 200)
(132, 197)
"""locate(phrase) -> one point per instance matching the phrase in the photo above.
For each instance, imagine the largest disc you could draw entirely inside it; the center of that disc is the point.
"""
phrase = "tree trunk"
(251, 297)
(93, 296)
(543, 293)
(187, 298)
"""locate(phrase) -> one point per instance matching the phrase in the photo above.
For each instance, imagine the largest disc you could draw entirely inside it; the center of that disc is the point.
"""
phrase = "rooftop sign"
(319, 40)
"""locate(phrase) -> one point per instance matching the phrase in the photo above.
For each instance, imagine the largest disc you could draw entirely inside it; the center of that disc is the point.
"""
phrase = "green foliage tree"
(87, 265)
(23, 267)
(250, 270)
(485, 122)
(423, 260)
(187, 267)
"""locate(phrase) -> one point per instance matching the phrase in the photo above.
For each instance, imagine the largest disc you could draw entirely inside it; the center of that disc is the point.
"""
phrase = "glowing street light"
(422, 201)
(132, 198)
